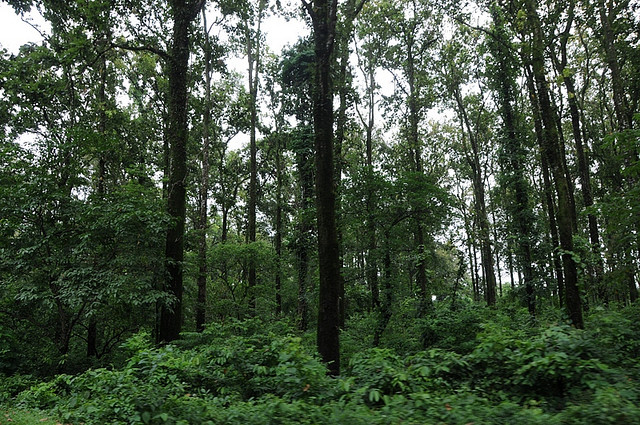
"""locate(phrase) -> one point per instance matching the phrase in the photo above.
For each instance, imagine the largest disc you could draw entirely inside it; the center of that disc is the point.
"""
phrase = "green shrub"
(551, 363)
(10, 386)
(452, 330)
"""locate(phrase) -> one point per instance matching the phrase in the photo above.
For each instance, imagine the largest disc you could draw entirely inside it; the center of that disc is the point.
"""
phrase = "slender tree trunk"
(547, 189)
(473, 158)
(92, 327)
(585, 183)
(253, 57)
(372, 264)
(341, 122)
(385, 306)
(495, 251)
(415, 147)
(278, 237)
(513, 160)
(303, 245)
(623, 116)
(479, 282)
(203, 195)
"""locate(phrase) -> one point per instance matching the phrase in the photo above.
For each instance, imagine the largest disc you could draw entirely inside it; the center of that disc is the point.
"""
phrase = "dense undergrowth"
(472, 366)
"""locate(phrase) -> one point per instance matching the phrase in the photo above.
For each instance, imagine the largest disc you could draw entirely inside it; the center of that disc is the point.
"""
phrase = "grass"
(26, 417)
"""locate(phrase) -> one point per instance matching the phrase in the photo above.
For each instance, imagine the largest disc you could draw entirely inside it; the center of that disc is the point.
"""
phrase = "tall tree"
(503, 72)
(552, 151)
(323, 14)
(183, 12)
(203, 193)
(472, 115)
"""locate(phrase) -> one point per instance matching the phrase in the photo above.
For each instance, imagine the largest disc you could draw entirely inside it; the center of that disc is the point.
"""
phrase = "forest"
(415, 212)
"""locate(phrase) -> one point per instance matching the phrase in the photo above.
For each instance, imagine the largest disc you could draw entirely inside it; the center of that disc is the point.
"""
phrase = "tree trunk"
(385, 307)
(92, 327)
(473, 158)
(323, 16)
(547, 189)
(552, 151)
(303, 245)
(203, 195)
(178, 65)
(623, 117)
(415, 148)
(513, 162)
(253, 57)
(278, 236)
(372, 265)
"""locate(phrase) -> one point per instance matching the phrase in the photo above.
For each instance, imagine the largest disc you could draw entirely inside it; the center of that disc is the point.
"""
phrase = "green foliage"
(452, 330)
(12, 385)
(256, 372)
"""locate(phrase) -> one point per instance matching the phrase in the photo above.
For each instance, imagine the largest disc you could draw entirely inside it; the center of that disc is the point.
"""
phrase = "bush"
(452, 330)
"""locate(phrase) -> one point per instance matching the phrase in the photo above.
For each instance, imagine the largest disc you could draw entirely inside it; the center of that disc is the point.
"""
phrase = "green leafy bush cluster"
(252, 372)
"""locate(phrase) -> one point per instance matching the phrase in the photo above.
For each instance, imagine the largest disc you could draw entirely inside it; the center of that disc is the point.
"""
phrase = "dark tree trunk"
(323, 16)
(372, 264)
(303, 245)
(415, 148)
(92, 327)
(253, 56)
(473, 158)
(203, 195)
(623, 117)
(547, 188)
(341, 122)
(479, 282)
(278, 236)
(171, 315)
(351, 10)
(385, 306)
(552, 151)
(583, 166)
(513, 162)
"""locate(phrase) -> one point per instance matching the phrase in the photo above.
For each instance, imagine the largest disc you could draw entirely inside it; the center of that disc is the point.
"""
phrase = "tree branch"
(197, 7)
(309, 9)
(164, 55)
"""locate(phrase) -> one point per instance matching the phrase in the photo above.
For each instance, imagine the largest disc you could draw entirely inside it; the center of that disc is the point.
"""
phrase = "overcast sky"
(14, 32)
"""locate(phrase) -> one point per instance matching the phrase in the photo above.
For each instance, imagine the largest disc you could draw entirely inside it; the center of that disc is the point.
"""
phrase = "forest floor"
(471, 366)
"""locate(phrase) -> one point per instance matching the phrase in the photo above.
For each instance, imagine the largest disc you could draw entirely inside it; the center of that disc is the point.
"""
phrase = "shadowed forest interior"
(416, 212)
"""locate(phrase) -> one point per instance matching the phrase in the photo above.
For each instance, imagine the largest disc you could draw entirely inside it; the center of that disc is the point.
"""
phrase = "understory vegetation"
(351, 212)
(472, 365)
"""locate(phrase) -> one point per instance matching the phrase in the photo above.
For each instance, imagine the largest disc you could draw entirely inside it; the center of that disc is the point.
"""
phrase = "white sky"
(14, 32)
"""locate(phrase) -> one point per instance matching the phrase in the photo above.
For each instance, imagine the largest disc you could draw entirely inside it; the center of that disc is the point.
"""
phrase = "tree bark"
(551, 149)
(547, 189)
(178, 63)
(305, 227)
(513, 161)
(203, 195)
(583, 166)
(623, 117)
(473, 158)
(278, 236)
(253, 57)
(323, 17)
